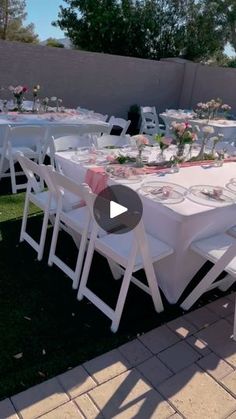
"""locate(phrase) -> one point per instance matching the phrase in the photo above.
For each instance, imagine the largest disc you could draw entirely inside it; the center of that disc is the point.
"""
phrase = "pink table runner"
(96, 177)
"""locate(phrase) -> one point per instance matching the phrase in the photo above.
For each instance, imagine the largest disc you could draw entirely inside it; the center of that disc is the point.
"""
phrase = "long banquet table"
(221, 126)
(176, 224)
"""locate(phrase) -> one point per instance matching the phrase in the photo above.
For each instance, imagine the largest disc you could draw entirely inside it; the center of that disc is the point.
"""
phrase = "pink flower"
(18, 90)
(140, 139)
(25, 89)
(111, 158)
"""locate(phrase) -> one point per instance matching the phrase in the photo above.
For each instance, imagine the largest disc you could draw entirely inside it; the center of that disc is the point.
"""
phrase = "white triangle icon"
(116, 209)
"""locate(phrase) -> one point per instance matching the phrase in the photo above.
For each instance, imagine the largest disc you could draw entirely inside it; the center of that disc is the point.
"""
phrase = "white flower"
(208, 130)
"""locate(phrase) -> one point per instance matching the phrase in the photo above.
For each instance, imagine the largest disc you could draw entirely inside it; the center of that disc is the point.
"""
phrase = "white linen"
(225, 127)
(178, 224)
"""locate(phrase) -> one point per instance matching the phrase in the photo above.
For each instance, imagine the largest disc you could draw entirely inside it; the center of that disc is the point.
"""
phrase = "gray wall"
(110, 83)
(105, 83)
(202, 82)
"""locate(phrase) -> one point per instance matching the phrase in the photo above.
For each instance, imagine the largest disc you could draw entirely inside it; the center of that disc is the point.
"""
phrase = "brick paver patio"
(186, 369)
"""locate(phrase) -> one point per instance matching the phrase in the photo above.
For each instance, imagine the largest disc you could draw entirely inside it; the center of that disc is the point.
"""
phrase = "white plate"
(205, 195)
(163, 192)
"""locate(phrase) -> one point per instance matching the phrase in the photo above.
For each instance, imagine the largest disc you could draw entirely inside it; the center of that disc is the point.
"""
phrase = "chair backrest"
(31, 136)
(31, 170)
(113, 140)
(64, 184)
(150, 122)
(119, 122)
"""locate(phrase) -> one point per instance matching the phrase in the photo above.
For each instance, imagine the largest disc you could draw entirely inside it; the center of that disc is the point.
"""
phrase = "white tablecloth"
(176, 224)
(225, 127)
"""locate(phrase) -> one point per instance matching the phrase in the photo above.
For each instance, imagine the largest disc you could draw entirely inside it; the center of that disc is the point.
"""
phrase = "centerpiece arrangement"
(18, 93)
(184, 134)
(213, 109)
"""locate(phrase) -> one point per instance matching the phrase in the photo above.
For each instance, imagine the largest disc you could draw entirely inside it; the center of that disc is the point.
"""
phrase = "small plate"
(231, 185)
(211, 195)
(164, 192)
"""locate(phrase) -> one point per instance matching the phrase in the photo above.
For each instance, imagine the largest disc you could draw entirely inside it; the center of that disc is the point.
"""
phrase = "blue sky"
(42, 13)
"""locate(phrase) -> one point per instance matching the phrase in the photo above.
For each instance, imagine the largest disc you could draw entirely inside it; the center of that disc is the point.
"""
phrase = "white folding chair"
(131, 251)
(220, 250)
(36, 194)
(149, 121)
(71, 137)
(121, 123)
(25, 139)
(113, 141)
(76, 220)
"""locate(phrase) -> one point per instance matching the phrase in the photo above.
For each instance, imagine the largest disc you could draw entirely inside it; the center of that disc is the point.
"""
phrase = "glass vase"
(180, 150)
(19, 104)
(139, 161)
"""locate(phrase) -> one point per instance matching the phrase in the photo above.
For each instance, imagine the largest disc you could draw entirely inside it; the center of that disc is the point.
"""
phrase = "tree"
(144, 28)
(12, 16)
(52, 42)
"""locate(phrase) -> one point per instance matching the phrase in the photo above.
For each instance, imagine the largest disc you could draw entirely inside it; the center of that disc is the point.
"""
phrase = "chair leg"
(13, 175)
(25, 216)
(153, 285)
(56, 229)
(123, 291)
(234, 335)
(43, 234)
(80, 259)
(86, 269)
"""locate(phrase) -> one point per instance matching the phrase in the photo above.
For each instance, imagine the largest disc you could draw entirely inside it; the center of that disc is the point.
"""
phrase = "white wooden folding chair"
(25, 139)
(72, 137)
(220, 250)
(131, 251)
(121, 123)
(76, 220)
(107, 140)
(36, 194)
(149, 121)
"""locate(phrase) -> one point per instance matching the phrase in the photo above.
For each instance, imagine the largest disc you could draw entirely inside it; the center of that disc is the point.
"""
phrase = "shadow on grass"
(41, 318)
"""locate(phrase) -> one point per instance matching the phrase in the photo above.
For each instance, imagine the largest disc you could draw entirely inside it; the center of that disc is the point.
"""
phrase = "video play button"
(118, 209)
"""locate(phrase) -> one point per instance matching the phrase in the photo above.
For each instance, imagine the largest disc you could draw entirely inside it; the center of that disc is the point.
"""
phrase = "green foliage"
(52, 42)
(146, 28)
(12, 16)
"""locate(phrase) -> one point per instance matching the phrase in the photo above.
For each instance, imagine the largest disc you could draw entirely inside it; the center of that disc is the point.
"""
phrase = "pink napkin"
(96, 178)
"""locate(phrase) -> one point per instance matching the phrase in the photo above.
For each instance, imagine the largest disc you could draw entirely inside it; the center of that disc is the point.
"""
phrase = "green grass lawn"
(40, 316)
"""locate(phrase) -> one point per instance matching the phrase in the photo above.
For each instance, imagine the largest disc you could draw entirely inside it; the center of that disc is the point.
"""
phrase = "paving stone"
(232, 297)
(215, 366)
(230, 319)
(202, 317)
(87, 407)
(232, 416)
(66, 411)
(135, 352)
(218, 337)
(7, 410)
(39, 399)
(175, 416)
(223, 307)
(107, 366)
(182, 327)
(130, 396)
(76, 381)
(193, 393)
(179, 356)
(154, 370)
(199, 346)
(159, 339)
(230, 382)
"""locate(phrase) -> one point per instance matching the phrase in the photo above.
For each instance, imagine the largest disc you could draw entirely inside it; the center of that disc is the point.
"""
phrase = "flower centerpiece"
(36, 90)
(184, 134)
(164, 143)
(18, 93)
(212, 109)
(141, 142)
